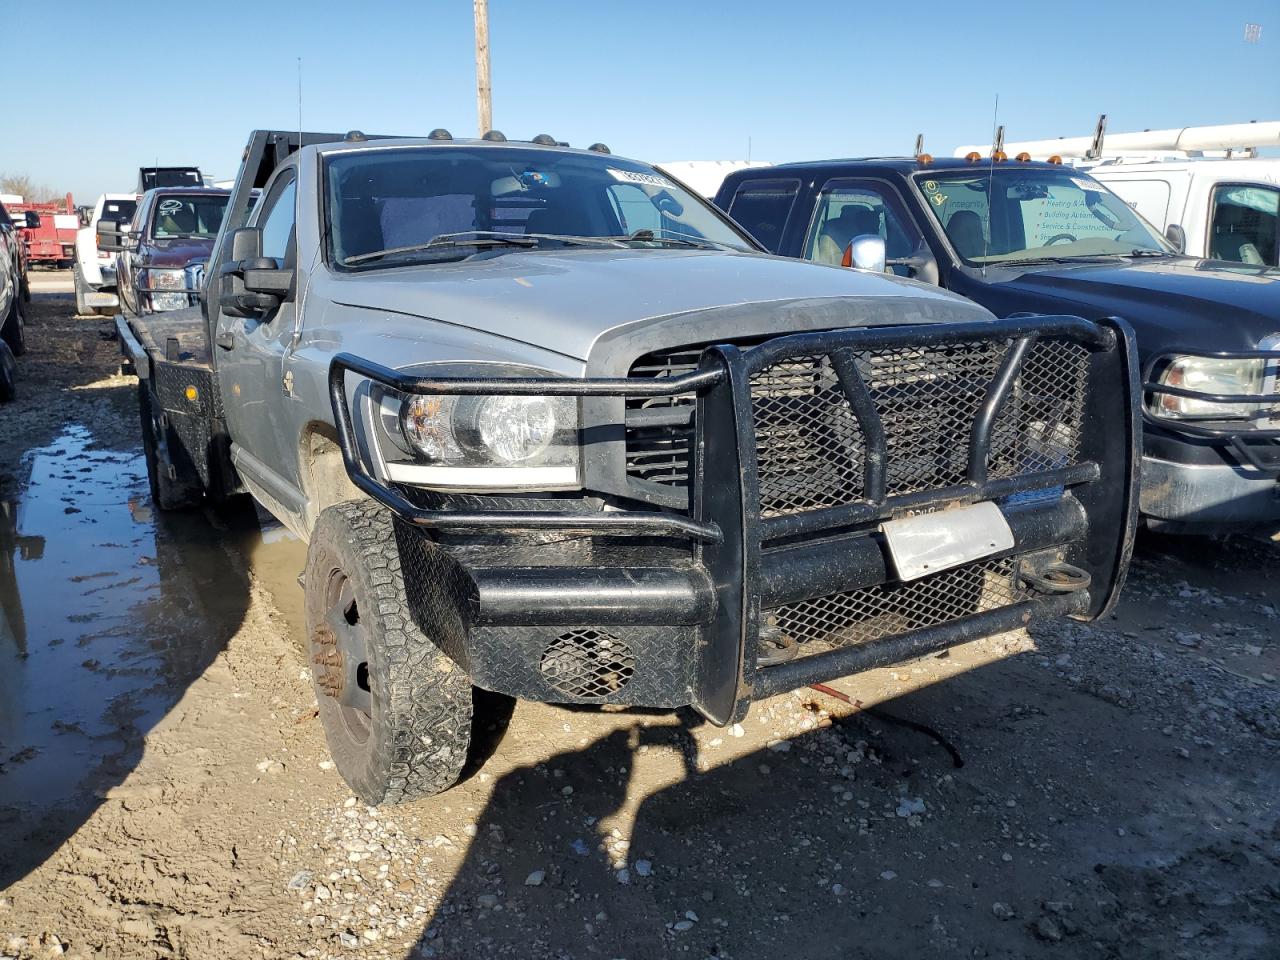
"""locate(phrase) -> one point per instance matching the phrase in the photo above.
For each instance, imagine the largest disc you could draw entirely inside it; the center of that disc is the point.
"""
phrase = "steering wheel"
(1059, 236)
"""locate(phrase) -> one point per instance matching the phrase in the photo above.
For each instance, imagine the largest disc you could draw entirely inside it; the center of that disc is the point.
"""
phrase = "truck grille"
(890, 609)
(810, 449)
(660, 429)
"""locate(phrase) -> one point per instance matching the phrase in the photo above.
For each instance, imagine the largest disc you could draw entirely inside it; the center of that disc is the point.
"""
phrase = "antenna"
(748, 149)
(919, 144)
(997, 134)
(299, 102)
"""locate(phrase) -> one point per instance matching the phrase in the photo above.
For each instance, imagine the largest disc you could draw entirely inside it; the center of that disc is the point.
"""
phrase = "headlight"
(167, 279)
(160, 280)
(472, 442)
(1210, 375)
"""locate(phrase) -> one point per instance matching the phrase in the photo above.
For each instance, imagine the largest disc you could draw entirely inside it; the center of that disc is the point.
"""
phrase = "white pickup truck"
(94, 274)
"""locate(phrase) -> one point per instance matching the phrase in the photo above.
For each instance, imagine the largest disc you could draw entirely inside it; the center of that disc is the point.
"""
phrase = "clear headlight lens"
(1210, 375)
(516, 428)
(160, 280)
(488, 441)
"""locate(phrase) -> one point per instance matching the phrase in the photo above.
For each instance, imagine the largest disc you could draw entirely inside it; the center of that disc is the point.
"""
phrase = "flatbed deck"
(174, 337)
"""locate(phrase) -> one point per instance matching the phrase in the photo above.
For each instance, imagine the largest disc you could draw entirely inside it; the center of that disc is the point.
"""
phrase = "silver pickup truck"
(554, 427)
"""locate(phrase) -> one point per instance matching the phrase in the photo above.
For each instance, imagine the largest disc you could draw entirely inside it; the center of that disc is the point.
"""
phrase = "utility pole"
(484, 94)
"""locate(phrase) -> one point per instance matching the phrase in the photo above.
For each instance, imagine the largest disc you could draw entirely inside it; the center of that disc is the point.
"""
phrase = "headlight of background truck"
(158, 280)
(1210, 375)
(480, 442)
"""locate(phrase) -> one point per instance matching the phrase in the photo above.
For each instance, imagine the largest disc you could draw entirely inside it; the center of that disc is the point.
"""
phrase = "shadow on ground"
(1105, 814)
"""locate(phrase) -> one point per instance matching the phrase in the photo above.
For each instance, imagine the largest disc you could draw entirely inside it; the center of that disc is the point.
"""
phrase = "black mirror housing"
(109, 236)
(33, 220)
(252, 285)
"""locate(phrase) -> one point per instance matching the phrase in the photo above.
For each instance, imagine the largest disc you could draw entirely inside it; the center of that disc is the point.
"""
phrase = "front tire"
(13, 332)
(396, 710)
(8, 374)
(81, 288)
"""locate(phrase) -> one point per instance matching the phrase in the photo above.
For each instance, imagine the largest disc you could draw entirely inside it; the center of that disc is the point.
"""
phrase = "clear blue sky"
(97, 89)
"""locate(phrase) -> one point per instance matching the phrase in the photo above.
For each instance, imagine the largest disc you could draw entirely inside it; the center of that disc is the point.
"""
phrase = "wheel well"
(324, 473)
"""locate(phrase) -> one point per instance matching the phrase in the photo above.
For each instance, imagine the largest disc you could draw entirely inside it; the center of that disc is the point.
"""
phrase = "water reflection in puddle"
(107, 613)
(80, 555)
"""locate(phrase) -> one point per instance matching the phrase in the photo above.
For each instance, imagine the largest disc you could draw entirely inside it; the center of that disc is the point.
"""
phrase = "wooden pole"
(484, 93)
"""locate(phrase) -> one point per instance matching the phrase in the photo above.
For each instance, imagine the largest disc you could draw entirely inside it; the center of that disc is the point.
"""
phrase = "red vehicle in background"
(52, 242)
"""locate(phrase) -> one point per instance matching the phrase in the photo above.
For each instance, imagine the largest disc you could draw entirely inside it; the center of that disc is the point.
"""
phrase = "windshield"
(384, 207)
(121, 211)
(188, 217)
(1010, 214)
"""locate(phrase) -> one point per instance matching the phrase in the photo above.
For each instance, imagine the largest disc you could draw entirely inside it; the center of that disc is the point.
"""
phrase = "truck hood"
(1182, 302)
(176, 252)
(564, 300)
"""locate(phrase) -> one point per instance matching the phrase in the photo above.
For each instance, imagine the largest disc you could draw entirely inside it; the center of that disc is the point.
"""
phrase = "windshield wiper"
(648, 236)
(1151, 253)
(480, 238)
(1084, 258)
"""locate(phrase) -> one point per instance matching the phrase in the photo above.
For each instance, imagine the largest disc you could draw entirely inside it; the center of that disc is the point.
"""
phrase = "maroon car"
(160, 260)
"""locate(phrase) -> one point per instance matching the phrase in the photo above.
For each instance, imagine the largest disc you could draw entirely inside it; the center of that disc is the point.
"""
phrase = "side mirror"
(251, 284)
(865, 253)
(922, 263)
(1177, 236)
(110, 237)
(33, 220)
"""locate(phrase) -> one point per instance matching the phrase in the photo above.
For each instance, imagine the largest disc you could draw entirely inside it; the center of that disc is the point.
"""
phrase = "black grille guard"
(725, 525)
(1236, 435)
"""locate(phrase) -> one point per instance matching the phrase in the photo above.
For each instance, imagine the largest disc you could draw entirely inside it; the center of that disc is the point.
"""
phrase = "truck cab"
(554, 427)
(94, 274)
(1020, 237)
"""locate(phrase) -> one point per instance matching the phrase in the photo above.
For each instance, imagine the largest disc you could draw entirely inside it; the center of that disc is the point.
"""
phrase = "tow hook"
(1055, 577)
(775, 646)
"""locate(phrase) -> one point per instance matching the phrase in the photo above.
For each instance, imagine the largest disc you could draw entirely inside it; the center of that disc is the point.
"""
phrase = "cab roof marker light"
(1055, 159)
(439, 133)
(1023, 157)
(598, 148)
(973, 156)
(999, 156)
(494, 136)
(545, 140)
(924, 159)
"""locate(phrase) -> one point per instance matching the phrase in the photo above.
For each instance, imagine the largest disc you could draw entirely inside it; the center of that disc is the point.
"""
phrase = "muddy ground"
(1095, 791)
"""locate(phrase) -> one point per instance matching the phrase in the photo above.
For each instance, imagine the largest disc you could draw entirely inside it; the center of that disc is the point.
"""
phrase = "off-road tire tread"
(77, 282)
(422, 727)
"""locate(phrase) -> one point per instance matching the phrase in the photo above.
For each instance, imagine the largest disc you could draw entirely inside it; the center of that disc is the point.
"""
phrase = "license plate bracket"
(930, 542)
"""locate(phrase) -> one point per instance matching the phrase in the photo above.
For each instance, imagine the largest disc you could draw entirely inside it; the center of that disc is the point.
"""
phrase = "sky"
(98, 90)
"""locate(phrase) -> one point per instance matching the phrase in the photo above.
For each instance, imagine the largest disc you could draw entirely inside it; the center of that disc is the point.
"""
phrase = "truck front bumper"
(743, 596)
(1201, 495)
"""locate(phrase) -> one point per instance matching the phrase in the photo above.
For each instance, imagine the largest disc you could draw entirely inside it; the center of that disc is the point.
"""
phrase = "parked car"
(554, 427)
(13, 294)
(1019, 237)
(160, 257)
(94, 274)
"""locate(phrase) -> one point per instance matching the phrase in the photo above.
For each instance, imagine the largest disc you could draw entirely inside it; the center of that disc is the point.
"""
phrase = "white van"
(1228, 209)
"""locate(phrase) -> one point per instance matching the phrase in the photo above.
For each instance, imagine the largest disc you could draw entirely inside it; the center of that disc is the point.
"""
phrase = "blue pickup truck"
(1028, 237)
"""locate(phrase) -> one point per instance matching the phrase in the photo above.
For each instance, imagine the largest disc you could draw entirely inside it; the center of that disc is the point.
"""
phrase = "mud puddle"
(107, 613)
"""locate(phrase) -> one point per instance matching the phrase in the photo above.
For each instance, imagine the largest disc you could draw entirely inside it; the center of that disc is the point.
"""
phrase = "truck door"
(848, 208)
(250, 363)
